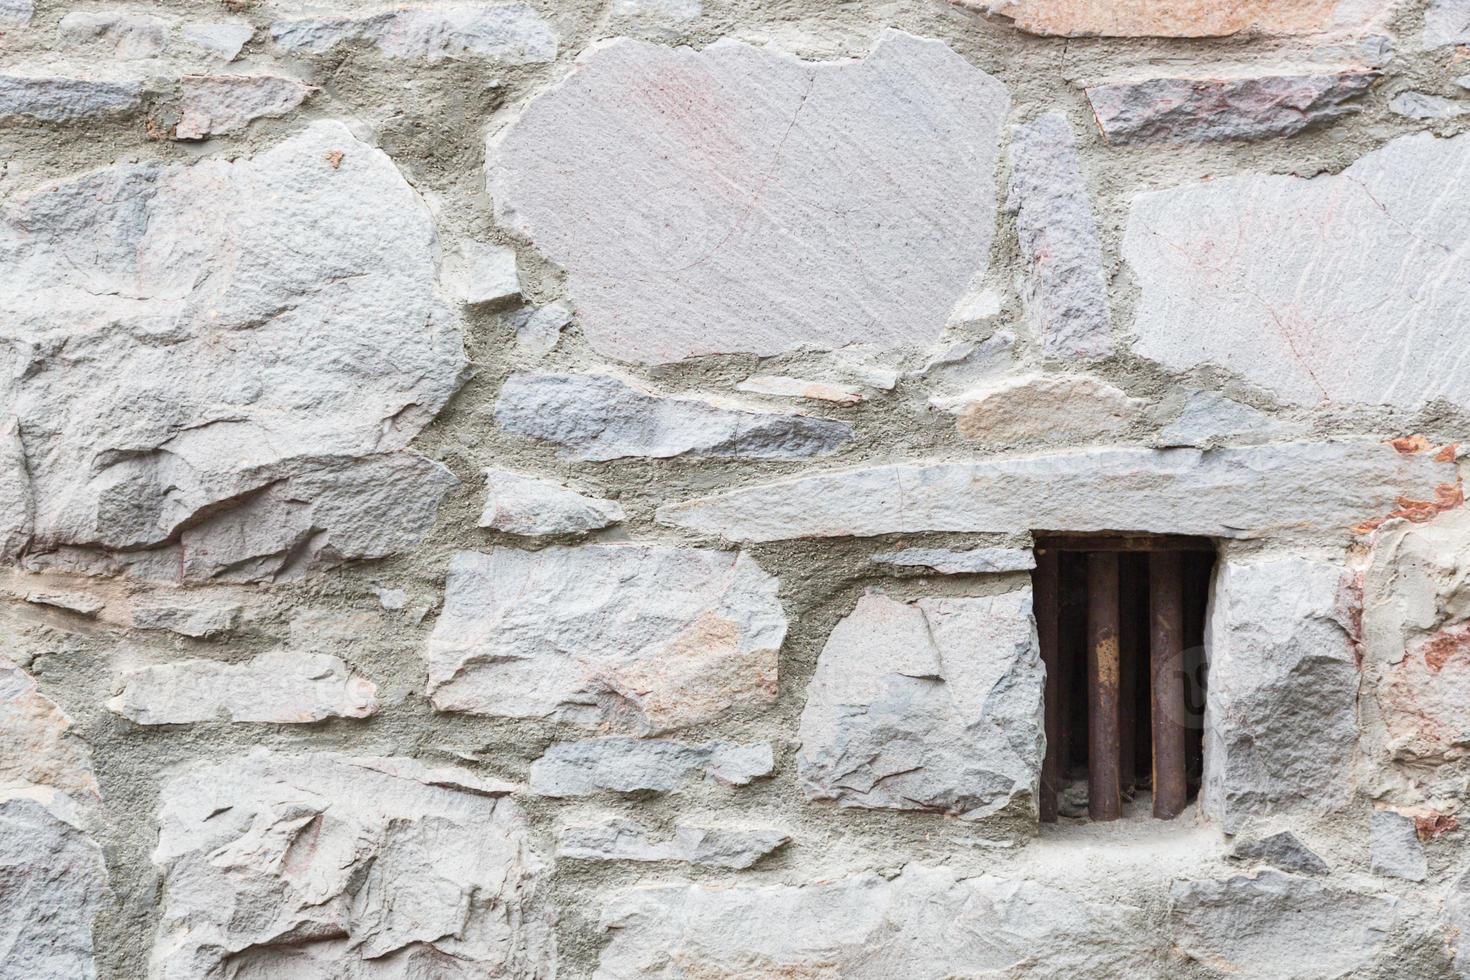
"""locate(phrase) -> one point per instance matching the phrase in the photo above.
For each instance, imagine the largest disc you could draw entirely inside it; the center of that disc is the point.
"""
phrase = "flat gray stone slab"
(737, 199)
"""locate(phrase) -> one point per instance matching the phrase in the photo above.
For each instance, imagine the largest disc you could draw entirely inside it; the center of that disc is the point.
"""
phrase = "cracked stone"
(720, 846)
(932, 705)
(1328, 487)
(632, 638)
(513, 34)
(923, 924)
(601, 417)
(212, 105)
(57, 99)
(1065, 289)
(1281, 721)
(1335, 286)
(1200, 110)
(282, 687)
(954, 561)
(616, 764)
(329, 865)
(149, 438)
(1042, 408)
(766, 217)
(530, 506)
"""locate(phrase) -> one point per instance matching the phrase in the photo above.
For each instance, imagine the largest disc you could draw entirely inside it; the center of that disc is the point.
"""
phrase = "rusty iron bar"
(1047, 594)
(1104, 794)
(1166, 669)
(1131, 583)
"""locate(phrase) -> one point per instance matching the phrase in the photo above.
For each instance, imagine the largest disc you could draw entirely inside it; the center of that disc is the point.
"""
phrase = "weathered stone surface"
(1327, 487)
(617, 764)
(483, 275)
(718, 846)
(1281, 720)
(1418, 105)
(1251, 107)
(514, 33)
(212, 105)
(221, 38)
(1183, 18)
(15, 13)
(196, 615)
(1352, 289)
(117, 33)
(225, 386)
(17, 510)
(81, 603)
(37, 748)
(968, 364)
(737, 199)
(282, 687)
(952, 561)
(932, 705)
(1446, 22)
(602, 417)
(56, 99)
(1065, 289)
(538, 329)
(1395, 846)
(53, 881)
(633, 638)
(1277, 925)
(925, 924)
(531, 506)
(1207, 420)
(365, 867)
(784, 387)
(1282, 850)
(1042, 408)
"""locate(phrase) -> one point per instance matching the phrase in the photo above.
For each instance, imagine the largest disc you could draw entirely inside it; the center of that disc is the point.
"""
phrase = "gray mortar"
(432, 121)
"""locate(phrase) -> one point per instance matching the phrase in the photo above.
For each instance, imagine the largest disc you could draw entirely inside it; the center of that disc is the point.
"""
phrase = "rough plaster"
(432, 120)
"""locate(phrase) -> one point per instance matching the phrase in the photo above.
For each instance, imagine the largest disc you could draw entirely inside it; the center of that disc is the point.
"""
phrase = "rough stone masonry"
(545, 488)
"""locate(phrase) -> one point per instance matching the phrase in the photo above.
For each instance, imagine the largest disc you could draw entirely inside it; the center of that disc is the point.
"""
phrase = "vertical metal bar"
(1104, 796)
(1047, 598)
(1166, 681)
(1130, 585)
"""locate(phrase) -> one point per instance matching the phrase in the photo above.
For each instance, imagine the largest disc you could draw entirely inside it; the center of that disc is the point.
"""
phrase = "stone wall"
(545, 489)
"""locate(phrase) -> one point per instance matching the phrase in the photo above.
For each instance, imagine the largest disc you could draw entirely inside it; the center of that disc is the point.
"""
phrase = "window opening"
(1121, 622)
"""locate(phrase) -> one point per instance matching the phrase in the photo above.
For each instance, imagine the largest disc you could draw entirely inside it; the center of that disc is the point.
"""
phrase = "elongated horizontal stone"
(713, 846)
(1183, 18)
(1207, 420)
(634, 638)
(147, 438)
(56, 99)
(1198, 110)
(511, 33)
(784, 387)
(602, 417)
(211, 105)
(328, 865)
(1327, 487)
(953, 561)
(934, 705)
(116, 33)
(530, 506)
(737, 199)
(1421, 106)
(282, 687)
(1353, 287)
(923, 924)
(1065, 289)
(634, 765)
(1041, 408)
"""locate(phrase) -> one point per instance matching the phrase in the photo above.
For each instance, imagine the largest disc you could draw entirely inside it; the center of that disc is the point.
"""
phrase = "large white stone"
(602, 417)
(282, 687)
(530, 506)
(1065, 289)
(513, 33)
(1281, 717)
(1281, 927)
(1324, 487)
(932, 705)
(53, 882)
(1446, 22)
(16, 13)
(737, 199)
(1349, 288)
(216, 367)
(618, 764)
(355, 868)
(211, 105)
(924, 924)
(633, 638)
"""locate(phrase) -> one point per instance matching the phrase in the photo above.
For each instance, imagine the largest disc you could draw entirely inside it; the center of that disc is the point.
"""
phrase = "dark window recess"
(1121, 622)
